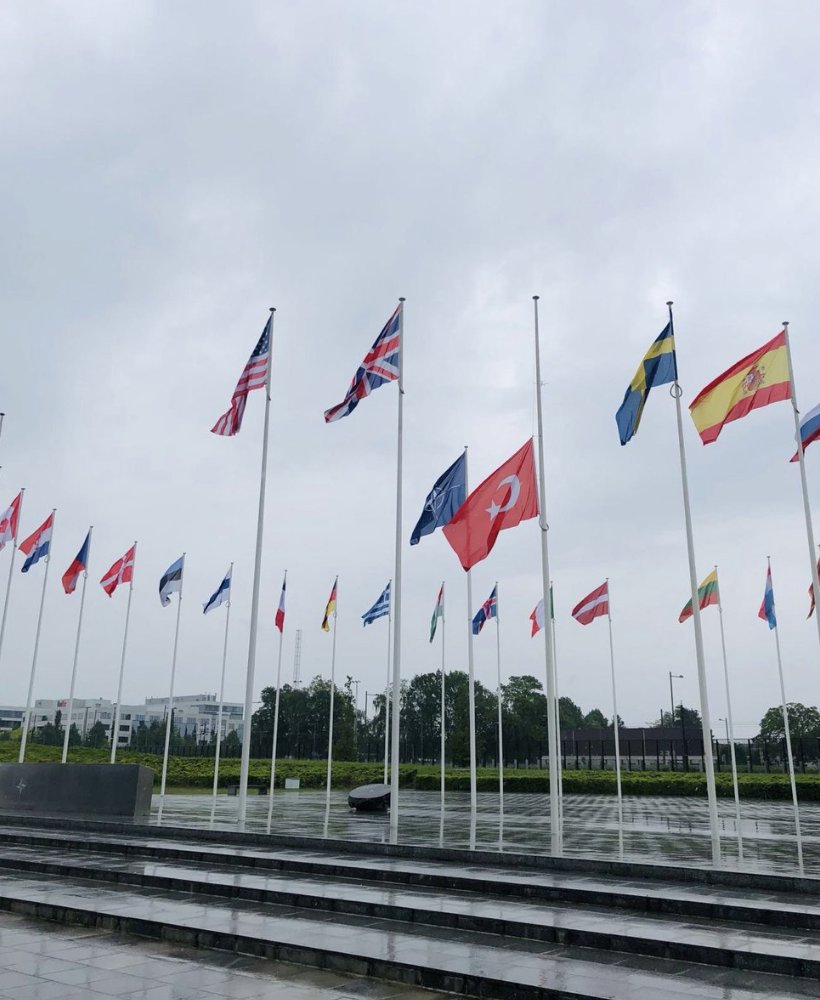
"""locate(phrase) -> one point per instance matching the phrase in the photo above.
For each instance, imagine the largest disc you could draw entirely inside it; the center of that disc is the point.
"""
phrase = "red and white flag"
(121, 572)
(254, 376)
(9, 521)
(811, 592)
(592, 606)
(280, 611)
(537, 618)
(505, 499)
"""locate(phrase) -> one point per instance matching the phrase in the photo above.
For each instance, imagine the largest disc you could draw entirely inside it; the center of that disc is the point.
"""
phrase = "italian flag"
(438, 613)
(707, 594)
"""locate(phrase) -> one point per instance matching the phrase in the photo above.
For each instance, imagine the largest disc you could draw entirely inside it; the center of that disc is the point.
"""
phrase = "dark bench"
(260, 786)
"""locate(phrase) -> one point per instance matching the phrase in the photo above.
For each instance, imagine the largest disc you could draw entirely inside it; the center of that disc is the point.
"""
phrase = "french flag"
(36, 546)
(79, 566)
(809, 429)
(279, 621)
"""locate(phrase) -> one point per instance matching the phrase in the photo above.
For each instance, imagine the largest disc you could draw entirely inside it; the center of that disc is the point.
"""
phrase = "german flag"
(331, 607)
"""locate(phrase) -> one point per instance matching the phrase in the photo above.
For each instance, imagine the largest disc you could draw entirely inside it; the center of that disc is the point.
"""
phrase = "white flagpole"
(330, 718)
(170, 700)
(615, 728)
(247, 714)
(387, 687)
(443, 709)
(500, 725)
(122, 661)
(731, 726)
(276, 720)
(804, 484)
(786, 728)
(471, 684)
(76, 653)
(395, 732)
(706, 724)
(552, 709)
(11, 570)
(221, 704)
(558, 727)
(27, 715)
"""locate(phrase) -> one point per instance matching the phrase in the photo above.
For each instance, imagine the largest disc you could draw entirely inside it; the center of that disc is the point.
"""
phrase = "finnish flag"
(220, 596)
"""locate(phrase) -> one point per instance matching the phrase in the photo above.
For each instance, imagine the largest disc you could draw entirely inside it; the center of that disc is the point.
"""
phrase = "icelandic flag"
(220, 596)
(36, 546)
(171, 581)
(80, 565)
(489, 609)
(448, 493)
(381, 364)
(767, 607)
(379, 609)
(809, 430)
(279, 621)
(9, 520)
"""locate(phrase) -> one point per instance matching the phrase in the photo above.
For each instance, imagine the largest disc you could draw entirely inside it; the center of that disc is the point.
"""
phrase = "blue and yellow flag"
(658, 366)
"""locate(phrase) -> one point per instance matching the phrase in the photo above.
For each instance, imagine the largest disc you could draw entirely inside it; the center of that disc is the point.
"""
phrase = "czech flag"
(80, 565)
(36, 546)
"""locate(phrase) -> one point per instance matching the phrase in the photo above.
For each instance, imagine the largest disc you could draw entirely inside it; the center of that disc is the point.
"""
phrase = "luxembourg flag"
(279, 622)
(809, 430)
(767, 607)
(36, 546)
(79, 566)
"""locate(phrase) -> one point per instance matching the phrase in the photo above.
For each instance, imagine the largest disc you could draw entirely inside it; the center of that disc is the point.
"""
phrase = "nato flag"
(446, 496)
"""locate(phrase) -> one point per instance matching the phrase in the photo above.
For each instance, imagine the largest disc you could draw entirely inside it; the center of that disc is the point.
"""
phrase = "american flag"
(380, 365)
(254, 376)
(121, 572)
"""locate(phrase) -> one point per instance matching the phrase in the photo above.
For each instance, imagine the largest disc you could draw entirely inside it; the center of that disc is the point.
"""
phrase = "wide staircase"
(478, 924)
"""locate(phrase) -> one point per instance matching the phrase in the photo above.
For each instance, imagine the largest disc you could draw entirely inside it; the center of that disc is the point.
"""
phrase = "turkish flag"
(505, 499)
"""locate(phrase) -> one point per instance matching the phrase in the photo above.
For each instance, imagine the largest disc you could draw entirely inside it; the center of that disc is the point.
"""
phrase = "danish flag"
(121, 572)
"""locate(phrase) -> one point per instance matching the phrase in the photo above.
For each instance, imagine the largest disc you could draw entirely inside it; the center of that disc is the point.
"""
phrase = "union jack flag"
(488, 610)
(380, 365)
(254, 376)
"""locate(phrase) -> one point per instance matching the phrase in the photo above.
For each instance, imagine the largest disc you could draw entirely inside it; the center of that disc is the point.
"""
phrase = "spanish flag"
(331, 607)
(756, 380)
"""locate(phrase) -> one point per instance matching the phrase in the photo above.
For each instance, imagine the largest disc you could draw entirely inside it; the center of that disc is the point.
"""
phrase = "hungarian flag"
(707, 594)
(593, 605)
(9, 520)
(331, 607)
(78, 567)
(279, 621)
(505, 499)
(121, 572)
(437, 613)
(760, 378)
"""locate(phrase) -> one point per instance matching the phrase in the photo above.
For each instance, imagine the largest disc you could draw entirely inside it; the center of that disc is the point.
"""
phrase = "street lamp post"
(672, 717)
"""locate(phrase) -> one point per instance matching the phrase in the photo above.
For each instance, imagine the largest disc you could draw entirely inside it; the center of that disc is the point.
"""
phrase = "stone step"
(468, 962)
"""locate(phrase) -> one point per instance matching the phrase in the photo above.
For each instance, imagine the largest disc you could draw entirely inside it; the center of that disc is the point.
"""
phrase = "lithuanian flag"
(756, 380)
(331, 607)
(707, 594)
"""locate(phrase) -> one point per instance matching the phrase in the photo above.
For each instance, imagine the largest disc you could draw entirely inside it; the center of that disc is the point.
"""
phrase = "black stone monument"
(121, 791)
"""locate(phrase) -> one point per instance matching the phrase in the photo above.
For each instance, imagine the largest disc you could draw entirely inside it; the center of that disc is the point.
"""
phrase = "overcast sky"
(168, 171)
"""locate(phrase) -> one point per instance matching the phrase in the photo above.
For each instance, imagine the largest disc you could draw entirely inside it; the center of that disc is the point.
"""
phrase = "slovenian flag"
(279, 621)
(36, 546)
(79, 566)
(809, 430)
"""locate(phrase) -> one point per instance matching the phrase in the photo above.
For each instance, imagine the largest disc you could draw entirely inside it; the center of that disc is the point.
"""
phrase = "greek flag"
(171, 581)
(379, 609)
(220, 596)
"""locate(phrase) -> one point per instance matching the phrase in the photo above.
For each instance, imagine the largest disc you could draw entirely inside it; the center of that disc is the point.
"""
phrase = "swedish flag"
(658, 366)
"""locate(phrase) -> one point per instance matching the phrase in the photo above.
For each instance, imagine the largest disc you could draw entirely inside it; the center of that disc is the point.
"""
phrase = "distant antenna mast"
(297, 659)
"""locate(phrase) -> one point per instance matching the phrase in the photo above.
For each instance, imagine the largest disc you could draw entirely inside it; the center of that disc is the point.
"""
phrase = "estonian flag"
(220, 596)
(171, 581)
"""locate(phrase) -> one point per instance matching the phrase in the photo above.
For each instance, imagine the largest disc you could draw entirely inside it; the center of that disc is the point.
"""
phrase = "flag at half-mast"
(9, 521)
(760, 378)
(657, 367)
(78, 567)
(708, 594)
(254, 376)
(380, 365)
(330, 608)
(488, 610)
(121, 572)
(279, 621)
(38, 543)
(767, 607)
(438, 612)
(505, 499)
(222, 594)
(593, 605)
(809, 430)
(447, 495)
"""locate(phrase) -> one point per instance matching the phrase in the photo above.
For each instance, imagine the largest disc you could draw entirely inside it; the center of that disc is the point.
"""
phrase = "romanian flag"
(708, 593)
(331, 607)
(658, 367)
(756, 380)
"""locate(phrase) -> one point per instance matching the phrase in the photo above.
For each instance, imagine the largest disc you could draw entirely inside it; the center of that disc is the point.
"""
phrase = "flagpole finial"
(402, 298)
(670, 303)
(271, 309)
(785, 323)
(535, 298)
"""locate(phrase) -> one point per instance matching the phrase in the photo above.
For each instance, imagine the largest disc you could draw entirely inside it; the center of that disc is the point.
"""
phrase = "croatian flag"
(593, 605)
(9, 520)
(79, 566)
(380, 365)
(279, 621)
(220, 596)
(488, 610)
(767, 607)
(809, 430)
(36, 546)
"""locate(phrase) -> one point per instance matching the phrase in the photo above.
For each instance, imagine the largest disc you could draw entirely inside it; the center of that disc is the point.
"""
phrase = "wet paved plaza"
(657, 829)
